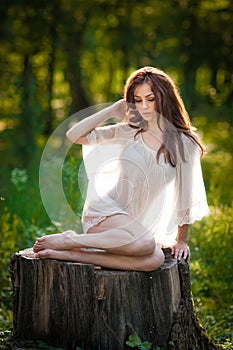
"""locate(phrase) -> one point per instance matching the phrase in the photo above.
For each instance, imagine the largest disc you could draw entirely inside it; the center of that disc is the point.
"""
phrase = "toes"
(41, 239)
(38, 255)
(49, 254)
(43, 254)
(37, 247)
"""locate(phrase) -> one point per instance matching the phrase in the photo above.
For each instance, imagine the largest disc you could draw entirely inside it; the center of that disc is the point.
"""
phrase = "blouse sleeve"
(105, 145)
(190, 196)
(110, 132)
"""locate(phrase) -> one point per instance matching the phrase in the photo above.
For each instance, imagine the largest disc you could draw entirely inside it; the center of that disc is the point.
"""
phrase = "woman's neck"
(153, 127)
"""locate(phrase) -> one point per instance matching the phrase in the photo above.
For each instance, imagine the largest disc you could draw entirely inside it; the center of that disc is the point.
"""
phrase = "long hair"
(169, 108)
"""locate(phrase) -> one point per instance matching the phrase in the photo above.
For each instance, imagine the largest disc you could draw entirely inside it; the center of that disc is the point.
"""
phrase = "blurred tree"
(53, 18)
(205, 40)
(61, 56)
(75, 19)
(22, 47)
(217, 48)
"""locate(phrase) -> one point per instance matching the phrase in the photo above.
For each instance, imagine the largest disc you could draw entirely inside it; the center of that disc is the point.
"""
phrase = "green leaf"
(145, 345)
(134, 340)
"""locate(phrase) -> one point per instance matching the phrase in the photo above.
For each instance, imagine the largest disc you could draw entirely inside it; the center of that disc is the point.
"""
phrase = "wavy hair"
(170, 111)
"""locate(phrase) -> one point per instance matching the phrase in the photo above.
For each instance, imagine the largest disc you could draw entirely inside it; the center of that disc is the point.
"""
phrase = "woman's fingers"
(119, 108)
(180, 253)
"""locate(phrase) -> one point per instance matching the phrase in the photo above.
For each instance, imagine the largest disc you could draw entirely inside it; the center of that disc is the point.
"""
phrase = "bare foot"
(67, 255)
(74, 255)
(59, 241)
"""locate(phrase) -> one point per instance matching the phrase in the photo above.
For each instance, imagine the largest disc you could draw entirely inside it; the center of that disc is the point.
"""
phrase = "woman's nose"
(144, 104)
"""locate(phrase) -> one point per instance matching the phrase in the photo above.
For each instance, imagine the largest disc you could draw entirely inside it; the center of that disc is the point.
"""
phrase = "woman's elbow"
(80, 140)
(70, 137)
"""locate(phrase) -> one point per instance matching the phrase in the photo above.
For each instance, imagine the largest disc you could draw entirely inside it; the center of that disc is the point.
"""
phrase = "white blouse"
(125, 177)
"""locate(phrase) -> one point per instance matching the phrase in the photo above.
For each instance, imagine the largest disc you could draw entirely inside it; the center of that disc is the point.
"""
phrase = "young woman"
(150, 169)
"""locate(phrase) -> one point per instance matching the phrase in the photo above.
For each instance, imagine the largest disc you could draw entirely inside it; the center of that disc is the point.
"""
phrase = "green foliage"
(211, 238)
(9, 237)
(19, 178)
(135, 342)
(71, 184)
(59, 58)
(211, 271)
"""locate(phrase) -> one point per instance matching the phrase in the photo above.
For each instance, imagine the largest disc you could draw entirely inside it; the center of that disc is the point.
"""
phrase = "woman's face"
(144, 100)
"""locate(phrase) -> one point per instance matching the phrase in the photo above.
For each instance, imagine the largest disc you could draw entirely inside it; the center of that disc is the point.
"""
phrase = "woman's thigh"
(130, 237)
(119, 221)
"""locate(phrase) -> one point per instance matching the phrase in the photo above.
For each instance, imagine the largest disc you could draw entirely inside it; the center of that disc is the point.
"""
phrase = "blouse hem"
(190, 221)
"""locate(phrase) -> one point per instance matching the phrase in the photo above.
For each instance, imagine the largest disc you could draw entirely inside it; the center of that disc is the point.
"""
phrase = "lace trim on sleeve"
(189, 216)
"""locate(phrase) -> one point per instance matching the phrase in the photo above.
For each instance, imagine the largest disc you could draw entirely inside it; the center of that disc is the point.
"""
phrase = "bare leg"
(148, 262)
(112, 234)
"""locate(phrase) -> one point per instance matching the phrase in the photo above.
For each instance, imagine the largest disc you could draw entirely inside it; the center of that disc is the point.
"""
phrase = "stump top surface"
(169, 262)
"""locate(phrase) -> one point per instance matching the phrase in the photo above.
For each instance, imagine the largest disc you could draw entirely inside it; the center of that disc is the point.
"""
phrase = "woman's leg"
(118, 234)
(147, 262)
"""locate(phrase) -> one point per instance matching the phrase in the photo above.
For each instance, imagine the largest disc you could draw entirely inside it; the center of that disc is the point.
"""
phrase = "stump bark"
(73, 305)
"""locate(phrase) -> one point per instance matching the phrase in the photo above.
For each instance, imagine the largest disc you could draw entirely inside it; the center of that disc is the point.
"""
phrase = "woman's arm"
(77, 134)
(181, 248)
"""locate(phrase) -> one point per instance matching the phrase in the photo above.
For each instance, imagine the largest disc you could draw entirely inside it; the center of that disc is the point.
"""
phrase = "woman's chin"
(148, 116)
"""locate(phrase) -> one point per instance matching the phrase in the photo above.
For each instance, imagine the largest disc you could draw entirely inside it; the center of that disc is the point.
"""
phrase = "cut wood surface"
(71, 305)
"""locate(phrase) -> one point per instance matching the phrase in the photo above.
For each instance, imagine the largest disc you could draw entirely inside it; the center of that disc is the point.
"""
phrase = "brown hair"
(169, 106)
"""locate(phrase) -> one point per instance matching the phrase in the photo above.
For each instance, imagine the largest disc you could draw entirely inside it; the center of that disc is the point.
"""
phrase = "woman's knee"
(153, 261)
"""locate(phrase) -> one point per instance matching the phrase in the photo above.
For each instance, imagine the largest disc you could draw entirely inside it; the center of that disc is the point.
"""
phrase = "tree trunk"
(75, 305)
(25, 142)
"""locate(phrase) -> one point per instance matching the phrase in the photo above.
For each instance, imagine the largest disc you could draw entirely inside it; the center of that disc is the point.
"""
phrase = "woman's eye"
(152, 99)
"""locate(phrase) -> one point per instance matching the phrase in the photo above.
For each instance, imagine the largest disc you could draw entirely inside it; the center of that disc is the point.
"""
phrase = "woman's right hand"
(119, 109)
(125, 111)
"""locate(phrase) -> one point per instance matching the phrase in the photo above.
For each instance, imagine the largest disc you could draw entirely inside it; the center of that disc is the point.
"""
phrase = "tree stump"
(75, 305)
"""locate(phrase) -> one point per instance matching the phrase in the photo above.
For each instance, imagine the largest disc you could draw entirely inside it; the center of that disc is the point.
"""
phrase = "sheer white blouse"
(124, 177)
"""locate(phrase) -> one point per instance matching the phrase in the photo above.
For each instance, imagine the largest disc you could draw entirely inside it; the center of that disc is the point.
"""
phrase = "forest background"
(60, 56)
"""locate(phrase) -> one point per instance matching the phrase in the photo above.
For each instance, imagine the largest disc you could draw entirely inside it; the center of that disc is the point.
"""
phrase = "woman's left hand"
(181, 250)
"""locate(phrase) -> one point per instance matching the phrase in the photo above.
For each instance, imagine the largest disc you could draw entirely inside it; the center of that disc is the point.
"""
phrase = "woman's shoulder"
(117, 126)
(124, 130)
(190, 143)
(111, 132)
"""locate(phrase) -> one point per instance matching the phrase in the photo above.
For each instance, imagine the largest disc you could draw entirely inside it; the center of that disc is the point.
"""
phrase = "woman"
(156, 191)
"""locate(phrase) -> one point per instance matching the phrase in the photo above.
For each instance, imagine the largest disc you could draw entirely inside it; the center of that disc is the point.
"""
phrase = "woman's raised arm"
(77, 134)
